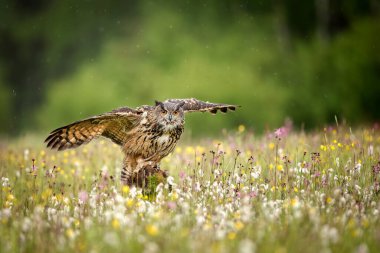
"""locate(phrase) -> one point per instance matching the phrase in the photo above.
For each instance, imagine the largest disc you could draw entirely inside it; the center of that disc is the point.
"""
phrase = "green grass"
(316, 192)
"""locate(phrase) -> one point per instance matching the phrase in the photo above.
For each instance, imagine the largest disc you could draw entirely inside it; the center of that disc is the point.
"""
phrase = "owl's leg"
(135, 171)
(127, 171)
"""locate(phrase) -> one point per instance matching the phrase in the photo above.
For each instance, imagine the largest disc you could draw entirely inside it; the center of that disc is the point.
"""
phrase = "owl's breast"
(152, 145)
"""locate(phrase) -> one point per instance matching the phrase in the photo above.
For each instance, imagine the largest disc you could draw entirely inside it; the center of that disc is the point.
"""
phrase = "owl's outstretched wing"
(114, 125)
(195, 105)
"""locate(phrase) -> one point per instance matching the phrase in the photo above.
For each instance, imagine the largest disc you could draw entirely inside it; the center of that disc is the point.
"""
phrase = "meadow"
(284, 191)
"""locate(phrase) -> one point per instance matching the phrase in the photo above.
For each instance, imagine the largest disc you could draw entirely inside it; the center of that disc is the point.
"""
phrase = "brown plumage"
(146, 134)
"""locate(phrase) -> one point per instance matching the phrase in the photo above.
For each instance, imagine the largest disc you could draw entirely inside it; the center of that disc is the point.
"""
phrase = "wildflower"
(241, 128)
(295, 203)
(26, 154)
(171, 205)
(178, 150)
(182, 175)
(247, 246)
(231, 235)
(239, 225)
(190, 150)
(362, 248)
(329, 235)
(5, 182)
(129, 203)
(282, 132)
(111, 238)
(10, 197)
(151, 230)
(125, 189)
(115, 223)
(70, 233)
(376, 168)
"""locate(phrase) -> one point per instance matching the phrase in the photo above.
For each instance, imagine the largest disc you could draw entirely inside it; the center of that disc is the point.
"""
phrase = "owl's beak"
(170, 117)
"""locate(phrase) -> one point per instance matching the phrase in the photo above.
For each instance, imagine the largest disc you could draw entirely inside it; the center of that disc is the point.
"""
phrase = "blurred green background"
(61, 61)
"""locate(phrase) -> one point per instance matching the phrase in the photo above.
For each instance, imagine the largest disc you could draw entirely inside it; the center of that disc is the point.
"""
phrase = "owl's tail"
(74, 135)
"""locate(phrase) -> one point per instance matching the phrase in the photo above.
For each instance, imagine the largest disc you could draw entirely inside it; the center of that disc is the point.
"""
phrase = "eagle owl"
(146, 134)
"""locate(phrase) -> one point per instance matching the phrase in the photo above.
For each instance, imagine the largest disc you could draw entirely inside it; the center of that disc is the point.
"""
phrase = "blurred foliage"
(307, 61)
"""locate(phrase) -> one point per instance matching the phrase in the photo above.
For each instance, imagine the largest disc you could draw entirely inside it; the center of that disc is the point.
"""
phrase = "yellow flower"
(178, 150)
(323, 147)
(129, 203)
(10, 197)
(190, 150)
(239, 225)
(241, 128)
(151, 230)
(174, 196)
(271, 146)
(115, 224)
(351, 223)
(200, 149)
(69, 233)
(46, 194)
(329, 200)
(280, 167)
(231, 235)
(126, 189)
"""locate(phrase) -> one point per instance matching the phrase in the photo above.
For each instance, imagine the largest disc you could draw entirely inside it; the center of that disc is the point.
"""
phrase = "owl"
(146, 134)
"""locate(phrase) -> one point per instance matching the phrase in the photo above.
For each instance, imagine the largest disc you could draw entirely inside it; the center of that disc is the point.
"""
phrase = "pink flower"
(83, 196)
(182, 175)
(172, 205)
(281, 132)
(284, 130)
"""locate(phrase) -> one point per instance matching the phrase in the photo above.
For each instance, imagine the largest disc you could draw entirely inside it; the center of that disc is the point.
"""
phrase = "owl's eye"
(163, 112)
(175, 113)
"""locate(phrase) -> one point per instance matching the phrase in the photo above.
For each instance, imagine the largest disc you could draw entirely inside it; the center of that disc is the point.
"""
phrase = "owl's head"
(169, 115)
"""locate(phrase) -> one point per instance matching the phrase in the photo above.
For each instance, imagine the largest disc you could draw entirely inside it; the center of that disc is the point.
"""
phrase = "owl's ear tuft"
(179, 105)
(158, 103)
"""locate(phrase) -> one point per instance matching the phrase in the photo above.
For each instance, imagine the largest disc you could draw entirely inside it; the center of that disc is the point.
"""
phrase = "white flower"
(151, 247)
(362, 248)
(329, 235)
(26, 154)
(112, 239)
(247, 246)
(5, 181)
(26, 224)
